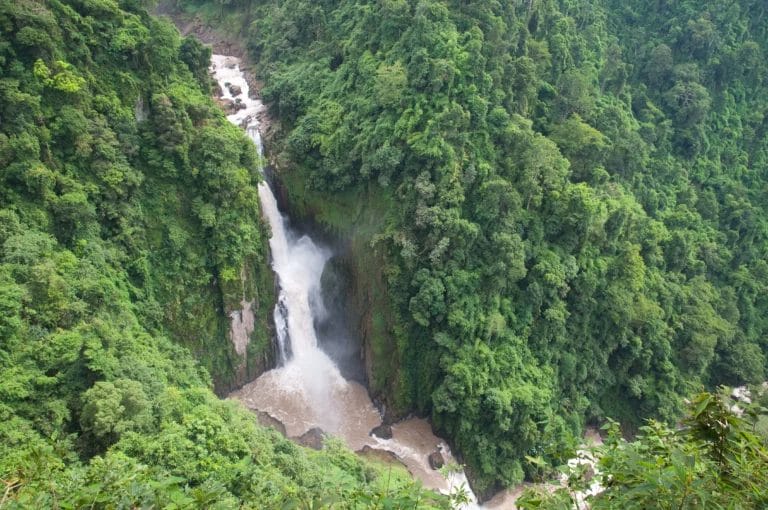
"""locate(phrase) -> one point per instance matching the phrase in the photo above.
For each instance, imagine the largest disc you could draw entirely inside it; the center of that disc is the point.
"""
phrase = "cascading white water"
(308, 390)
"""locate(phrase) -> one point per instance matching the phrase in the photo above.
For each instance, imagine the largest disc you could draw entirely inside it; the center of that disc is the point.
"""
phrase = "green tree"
(111, 409)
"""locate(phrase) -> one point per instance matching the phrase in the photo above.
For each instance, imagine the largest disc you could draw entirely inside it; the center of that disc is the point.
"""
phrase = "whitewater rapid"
(307, 389)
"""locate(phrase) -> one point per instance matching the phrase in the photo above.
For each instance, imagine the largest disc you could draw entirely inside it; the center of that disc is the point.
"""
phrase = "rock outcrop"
(382, 431)
(313, 438)
(436, 460)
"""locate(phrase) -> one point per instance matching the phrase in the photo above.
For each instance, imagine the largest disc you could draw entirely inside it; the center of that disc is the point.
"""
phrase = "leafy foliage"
(715, 461)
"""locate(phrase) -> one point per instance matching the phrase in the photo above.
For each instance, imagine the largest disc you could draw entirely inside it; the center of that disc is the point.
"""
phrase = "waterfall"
(307, 390)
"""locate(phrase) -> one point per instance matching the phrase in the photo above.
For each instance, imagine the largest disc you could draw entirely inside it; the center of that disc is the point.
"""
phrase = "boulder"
(235, 90)
(436, 460)
(382, 431)
(227, 105)
(267, 420)
(377, 454)
(313, 438)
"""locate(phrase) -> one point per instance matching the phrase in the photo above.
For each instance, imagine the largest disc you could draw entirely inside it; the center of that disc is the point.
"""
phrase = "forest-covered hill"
(129, 230)
(570, 198)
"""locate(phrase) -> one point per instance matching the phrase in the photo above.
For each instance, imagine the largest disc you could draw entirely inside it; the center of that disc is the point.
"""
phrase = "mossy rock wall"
(351, 221)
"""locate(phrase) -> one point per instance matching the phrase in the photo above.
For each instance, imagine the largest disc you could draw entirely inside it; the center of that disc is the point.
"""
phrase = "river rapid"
(307, 389)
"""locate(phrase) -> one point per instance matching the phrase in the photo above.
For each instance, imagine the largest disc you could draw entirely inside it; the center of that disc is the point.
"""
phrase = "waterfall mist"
(334, 325)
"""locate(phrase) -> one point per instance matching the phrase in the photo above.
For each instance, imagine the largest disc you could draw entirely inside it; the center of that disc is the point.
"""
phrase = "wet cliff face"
(354, 280)
(338, 333)
(250, 328)
(376, 325)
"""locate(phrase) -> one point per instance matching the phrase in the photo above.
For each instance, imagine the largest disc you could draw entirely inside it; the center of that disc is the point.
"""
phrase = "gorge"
(307, 390)
(519, 221)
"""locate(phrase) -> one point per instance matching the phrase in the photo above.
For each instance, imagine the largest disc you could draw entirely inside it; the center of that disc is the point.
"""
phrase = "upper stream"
(307, 389)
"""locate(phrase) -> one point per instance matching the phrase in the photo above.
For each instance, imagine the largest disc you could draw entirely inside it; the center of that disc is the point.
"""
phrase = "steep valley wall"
(350, 222)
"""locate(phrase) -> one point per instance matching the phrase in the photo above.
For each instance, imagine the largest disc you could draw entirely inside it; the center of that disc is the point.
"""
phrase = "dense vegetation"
(576, 225)
(129, 227)
(717, 460)
(114, 158)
